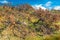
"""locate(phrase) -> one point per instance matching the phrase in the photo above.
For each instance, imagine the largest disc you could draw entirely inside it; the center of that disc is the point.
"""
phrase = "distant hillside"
(55, 11)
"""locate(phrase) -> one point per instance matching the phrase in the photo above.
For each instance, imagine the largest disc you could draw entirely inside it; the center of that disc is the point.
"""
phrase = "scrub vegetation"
(26, 23)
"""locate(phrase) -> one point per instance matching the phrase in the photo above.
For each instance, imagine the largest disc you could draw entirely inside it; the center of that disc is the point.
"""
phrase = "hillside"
(55, 11)
(25, 23)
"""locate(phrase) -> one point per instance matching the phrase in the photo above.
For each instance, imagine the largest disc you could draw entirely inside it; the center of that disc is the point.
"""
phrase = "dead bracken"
(25, 23)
